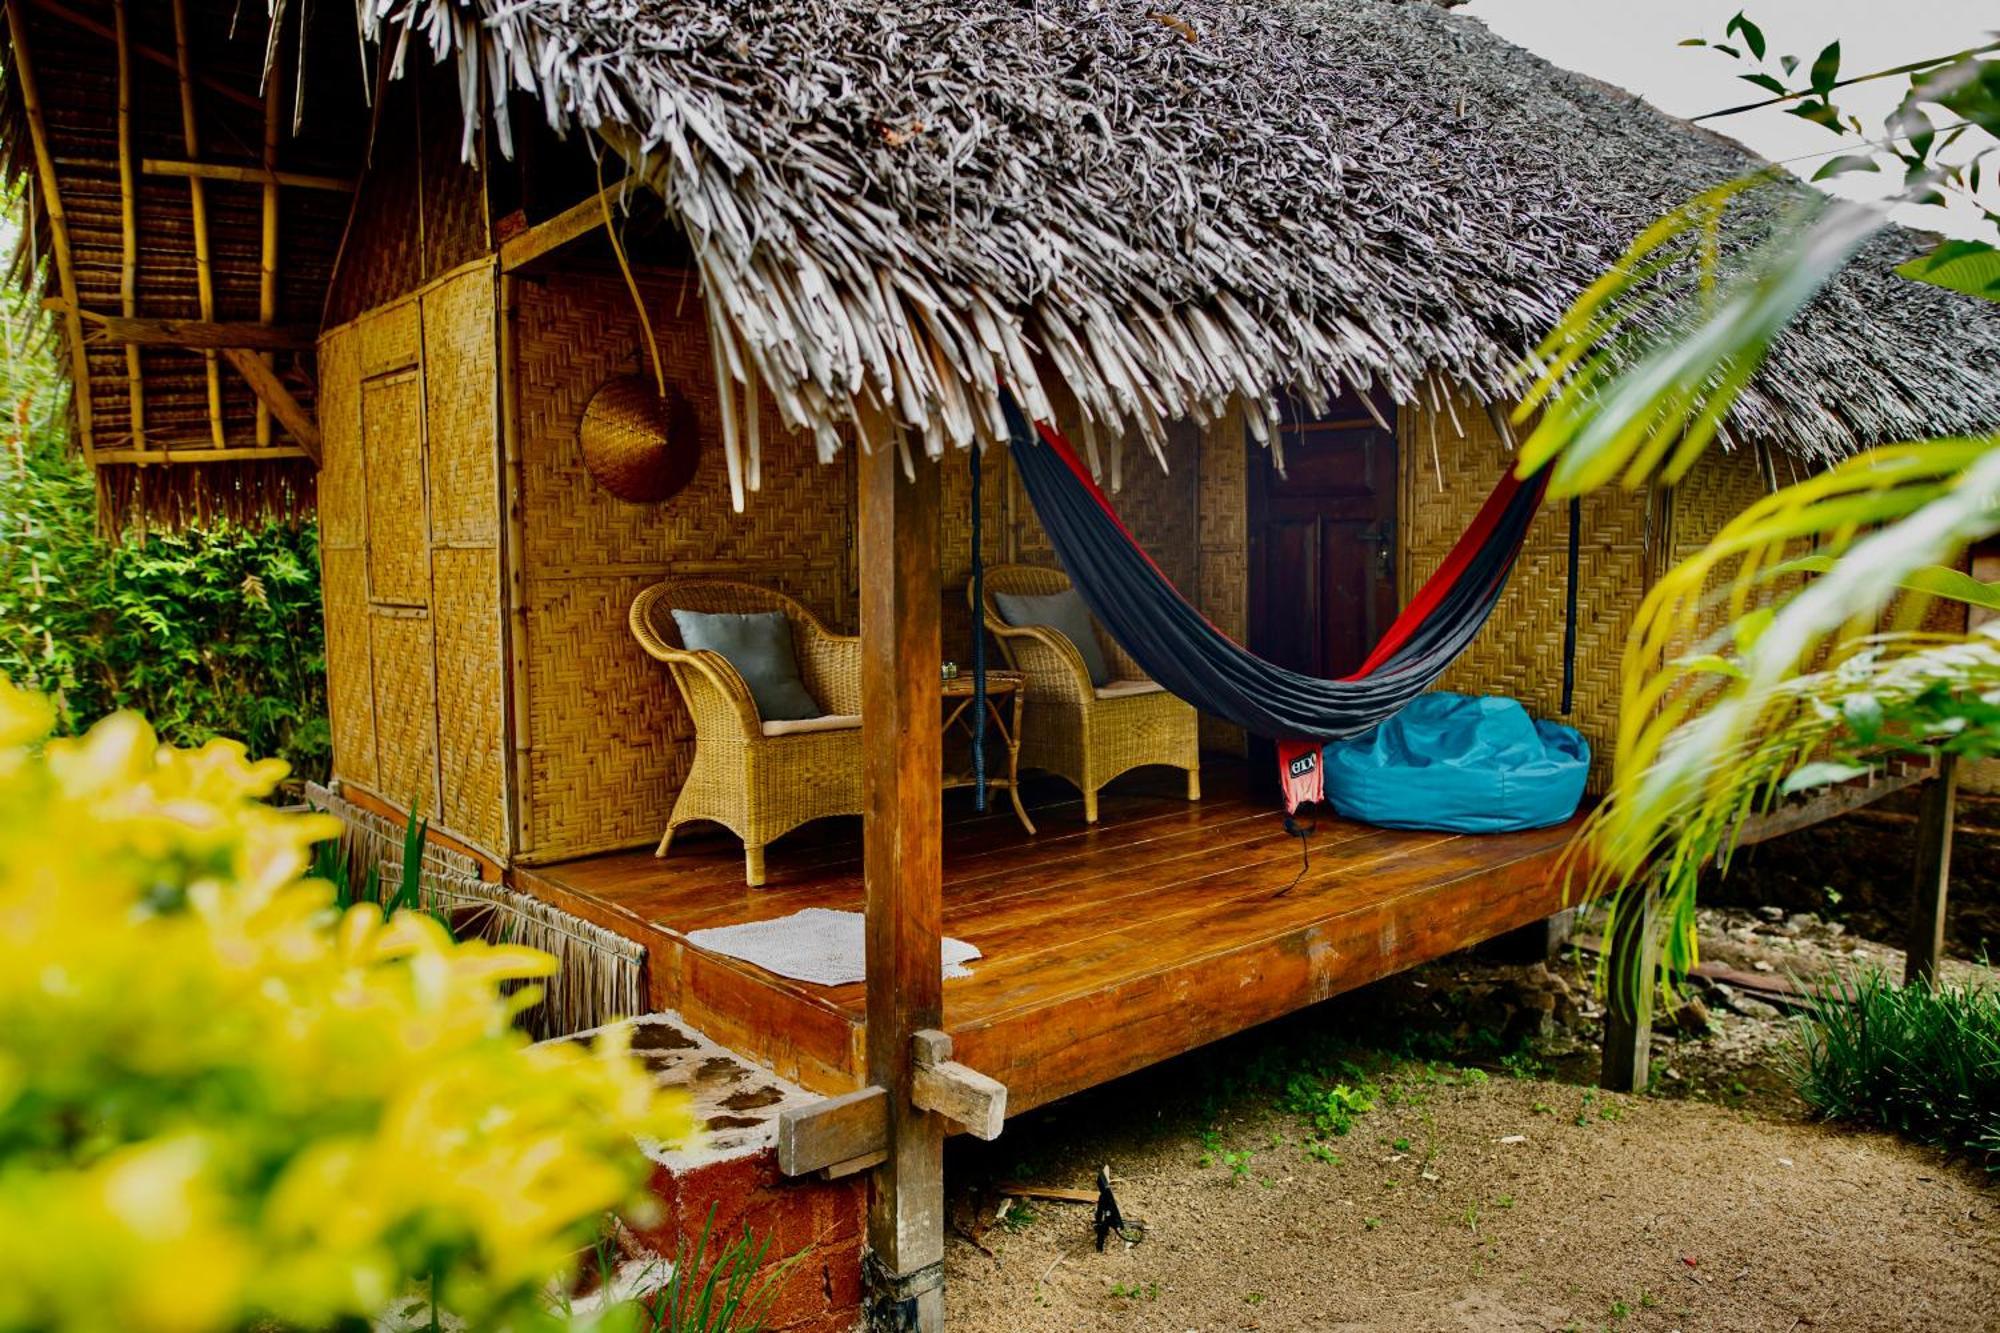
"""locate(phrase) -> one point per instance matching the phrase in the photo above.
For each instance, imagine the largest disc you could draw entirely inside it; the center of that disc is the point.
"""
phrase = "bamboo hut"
(765, 268)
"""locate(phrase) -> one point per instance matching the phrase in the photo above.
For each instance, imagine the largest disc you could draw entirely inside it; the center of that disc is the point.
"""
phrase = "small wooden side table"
(1004, 691)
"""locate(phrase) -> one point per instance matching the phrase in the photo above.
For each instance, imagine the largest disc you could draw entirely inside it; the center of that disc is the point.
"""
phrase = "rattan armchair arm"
(830, 665)
(721, 692)
(716, 692)
(1053, 667)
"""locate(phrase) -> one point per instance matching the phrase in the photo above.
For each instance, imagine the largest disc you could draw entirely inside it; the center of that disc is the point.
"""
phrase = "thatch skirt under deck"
(1105, 949)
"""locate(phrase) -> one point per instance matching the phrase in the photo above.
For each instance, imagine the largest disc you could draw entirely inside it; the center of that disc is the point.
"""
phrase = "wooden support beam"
(272, 393)
(267, 245)
(194, 333)
(268, 174)
(1634, 967)
(144, 52)
(204, 452)
(902, 868)
(1933, 874)
(969, 1099)
(829, 1134)
(128, 229)
(579, 219)
(45, 175)
(204, 268)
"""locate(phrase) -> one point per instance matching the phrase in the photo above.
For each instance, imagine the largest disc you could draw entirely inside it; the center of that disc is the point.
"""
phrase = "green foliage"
(225, 1105)
(330, 863)
(1940, 136)
(1331, 1108)
(1922, 1061)
(731, 1293)
(213, 633)
(1791, 651)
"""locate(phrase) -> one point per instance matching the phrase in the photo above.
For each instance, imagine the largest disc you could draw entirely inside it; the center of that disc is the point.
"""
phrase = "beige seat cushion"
(1119, 689)
(831, 722)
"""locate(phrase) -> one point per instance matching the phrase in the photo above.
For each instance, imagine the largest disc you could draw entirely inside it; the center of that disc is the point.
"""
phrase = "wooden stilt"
(204, 269)
(128, 229)
(903, 872)
(267, 252)
(1933, 875)
(1634, 967)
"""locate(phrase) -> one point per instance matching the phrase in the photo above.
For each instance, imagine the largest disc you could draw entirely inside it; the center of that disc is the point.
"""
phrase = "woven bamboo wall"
(1446, 476)
(420, 211)
(607, 740)
(410, 551)
(1222, 527)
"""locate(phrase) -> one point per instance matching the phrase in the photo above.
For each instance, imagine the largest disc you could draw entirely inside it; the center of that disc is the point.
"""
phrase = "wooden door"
(1322, 543)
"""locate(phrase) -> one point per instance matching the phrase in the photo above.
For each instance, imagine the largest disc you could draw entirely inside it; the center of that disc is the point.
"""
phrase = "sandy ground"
(1469, 1200)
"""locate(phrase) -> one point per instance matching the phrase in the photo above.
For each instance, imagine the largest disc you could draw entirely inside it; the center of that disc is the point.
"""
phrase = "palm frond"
(1642, 371)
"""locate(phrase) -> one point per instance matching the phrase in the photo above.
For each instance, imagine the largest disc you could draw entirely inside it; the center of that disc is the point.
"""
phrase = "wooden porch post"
(903, 873)
(1933, 878)
(1628, 1011)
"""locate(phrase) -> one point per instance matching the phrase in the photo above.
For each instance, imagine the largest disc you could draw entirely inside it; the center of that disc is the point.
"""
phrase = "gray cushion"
(759, 646)
(1063, 612)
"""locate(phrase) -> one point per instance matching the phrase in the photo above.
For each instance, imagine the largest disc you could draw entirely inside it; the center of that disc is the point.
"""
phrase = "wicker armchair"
(758, 779)
(1085, 734)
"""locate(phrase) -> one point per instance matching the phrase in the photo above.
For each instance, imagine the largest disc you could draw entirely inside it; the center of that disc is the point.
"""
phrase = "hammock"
(1150, 618)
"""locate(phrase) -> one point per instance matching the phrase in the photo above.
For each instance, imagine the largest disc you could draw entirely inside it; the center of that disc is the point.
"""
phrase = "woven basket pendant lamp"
(640, 447)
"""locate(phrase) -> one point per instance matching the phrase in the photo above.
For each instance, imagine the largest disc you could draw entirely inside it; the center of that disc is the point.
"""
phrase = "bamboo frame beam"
(579, 219)
(140, 49)
(45, 171)
(272, 393)
(165, 455)
(266, 174)
(204, 268)
(267, 243)
(128, 229)
(194, 334)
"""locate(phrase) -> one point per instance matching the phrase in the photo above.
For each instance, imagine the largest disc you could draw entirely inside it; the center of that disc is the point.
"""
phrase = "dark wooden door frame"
(1342, 480)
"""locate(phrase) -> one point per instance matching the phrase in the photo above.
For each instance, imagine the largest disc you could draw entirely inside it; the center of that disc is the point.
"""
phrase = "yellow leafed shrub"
(222, 1103)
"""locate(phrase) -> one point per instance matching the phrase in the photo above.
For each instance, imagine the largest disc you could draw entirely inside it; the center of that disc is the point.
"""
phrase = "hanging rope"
(1569, 615)
(978, 639)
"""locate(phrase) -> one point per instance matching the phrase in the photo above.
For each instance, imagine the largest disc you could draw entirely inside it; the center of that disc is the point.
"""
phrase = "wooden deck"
(1106, 949)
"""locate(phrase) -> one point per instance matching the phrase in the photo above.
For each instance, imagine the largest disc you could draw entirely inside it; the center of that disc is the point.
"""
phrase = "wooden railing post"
(1933, 873)
(902, 870)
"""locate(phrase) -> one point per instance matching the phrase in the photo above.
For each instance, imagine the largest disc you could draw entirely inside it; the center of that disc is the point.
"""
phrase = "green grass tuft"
(1923, 1062)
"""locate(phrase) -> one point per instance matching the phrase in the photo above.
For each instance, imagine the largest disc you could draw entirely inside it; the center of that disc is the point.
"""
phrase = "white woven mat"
(818, 945)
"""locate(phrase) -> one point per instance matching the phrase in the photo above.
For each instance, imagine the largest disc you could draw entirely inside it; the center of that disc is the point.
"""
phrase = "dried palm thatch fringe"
(911, 204)
(199, 495)
(599, 975)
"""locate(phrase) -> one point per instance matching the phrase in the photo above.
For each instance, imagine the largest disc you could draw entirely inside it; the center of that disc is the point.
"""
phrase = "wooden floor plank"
(1105, 947)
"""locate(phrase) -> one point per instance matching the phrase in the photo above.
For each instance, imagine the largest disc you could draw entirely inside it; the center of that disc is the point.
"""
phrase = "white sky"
(1633, 44)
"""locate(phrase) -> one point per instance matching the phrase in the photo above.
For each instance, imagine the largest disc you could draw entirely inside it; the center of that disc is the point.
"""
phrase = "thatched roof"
(159, 217)
(1163, 206)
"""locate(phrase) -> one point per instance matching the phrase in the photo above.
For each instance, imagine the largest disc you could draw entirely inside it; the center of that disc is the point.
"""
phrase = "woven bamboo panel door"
(462, 444)
(394, 502)
(343, 555)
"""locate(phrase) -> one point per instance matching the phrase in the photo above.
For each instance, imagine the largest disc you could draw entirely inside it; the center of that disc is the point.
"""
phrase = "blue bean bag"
(1466, 765)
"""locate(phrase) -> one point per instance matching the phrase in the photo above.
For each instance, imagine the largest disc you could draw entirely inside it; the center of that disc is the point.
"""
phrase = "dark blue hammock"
(1140, 608)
